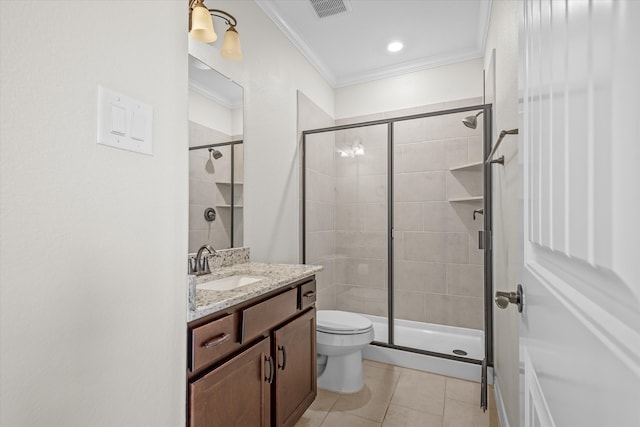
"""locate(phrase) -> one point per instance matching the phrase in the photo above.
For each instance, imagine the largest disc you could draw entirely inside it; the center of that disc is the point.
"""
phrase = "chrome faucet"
(201, 263)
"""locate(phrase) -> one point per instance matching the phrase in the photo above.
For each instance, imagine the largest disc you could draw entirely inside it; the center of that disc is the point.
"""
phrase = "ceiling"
(208, 82)
(350, 47)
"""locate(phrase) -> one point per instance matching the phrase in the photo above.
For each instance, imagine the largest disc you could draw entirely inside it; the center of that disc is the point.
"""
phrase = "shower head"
(471, 121)
(216, 154)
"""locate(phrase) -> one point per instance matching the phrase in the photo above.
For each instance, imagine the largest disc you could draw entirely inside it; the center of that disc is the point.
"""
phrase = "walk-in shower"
(392, 221)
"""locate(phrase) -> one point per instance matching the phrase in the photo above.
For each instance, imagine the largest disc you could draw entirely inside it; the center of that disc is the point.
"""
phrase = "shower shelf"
(229, 206)
(470, 167)
(467, 199)
(228, 183)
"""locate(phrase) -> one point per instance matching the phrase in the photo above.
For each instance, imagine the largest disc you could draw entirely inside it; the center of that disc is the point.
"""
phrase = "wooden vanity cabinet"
(295, 381)
(237, 393)
(255, 364)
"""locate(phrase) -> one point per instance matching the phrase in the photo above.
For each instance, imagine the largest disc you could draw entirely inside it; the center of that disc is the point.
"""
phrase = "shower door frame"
(487, 216)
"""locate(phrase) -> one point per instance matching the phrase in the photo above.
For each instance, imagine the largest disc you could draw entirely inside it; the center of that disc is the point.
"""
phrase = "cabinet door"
(295, 354)
(237, 393)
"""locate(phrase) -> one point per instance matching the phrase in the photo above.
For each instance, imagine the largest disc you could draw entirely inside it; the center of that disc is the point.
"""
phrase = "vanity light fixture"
(201, 29)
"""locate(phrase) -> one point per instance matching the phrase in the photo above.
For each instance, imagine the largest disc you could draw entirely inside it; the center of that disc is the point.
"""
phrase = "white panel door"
(580, 124)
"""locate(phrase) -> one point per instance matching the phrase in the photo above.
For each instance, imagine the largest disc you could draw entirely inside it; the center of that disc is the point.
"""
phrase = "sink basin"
(229, 283)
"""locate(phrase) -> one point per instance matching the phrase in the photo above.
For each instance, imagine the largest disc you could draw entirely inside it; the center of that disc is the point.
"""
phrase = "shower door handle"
(502, 299)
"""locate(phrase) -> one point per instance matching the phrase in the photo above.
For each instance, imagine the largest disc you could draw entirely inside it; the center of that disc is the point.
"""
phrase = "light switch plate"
(124, 122)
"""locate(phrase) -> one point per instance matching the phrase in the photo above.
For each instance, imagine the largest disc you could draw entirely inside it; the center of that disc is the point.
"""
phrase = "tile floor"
(395, 396)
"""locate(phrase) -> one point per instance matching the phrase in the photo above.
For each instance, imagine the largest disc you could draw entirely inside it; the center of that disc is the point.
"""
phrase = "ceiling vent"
(326, 8)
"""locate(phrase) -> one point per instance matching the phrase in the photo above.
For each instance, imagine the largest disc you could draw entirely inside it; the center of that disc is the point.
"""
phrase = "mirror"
(216, 160)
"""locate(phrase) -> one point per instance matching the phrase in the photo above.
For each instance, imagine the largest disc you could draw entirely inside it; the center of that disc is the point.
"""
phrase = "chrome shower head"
(216, 154)
(471, 121)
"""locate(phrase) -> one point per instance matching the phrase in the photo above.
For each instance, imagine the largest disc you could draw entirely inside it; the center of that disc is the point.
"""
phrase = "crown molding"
(292, 35)
(215, 97)
(380, 73)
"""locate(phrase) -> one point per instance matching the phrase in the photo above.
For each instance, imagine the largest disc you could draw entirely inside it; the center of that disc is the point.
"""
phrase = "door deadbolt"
(502, 299)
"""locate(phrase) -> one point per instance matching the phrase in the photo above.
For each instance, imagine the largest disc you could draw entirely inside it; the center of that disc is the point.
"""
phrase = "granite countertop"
(276, 276)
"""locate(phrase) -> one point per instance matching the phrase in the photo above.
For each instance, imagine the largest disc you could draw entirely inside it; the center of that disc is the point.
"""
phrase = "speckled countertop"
(276, 276)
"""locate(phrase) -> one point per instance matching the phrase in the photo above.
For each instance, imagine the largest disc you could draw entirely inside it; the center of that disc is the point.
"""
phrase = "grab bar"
(495, 147)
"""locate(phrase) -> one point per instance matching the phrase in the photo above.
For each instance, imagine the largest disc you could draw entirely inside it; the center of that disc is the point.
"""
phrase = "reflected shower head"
(471, 121)
(216, 154)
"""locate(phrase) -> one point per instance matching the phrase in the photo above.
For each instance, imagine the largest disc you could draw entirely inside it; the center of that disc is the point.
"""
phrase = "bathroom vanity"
(251, 350)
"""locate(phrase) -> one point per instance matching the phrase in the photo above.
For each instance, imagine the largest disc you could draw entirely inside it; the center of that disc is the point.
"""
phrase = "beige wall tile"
(475, 149)
(466, 312)
(370, 273)
(410, 306)
(476, 256)
(463, 184)
(408, 131)
(326, 299)
(348, 217)
(376, 302)
(372, 188)
(433, 155)
(346, 189)
(320, 246)
(420, 276)
(349, 298)
(408, 216)
(319, 216)
(420, 186)
(436, 247)
(465, 280)
(375, 216)
(320, 187)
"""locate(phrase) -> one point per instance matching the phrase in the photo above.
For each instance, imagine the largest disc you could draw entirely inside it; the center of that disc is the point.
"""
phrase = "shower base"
(429, 337)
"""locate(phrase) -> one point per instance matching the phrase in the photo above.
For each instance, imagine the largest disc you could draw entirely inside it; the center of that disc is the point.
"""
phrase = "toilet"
(341, 336)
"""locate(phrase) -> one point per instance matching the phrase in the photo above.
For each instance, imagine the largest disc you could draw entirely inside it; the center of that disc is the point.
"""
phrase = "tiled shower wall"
(205, 190)
(438, 270)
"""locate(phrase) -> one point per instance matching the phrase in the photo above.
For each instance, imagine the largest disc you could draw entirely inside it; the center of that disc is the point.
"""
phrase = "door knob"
(502, 299)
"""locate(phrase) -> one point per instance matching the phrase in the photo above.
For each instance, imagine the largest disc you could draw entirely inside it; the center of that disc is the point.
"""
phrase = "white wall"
(503, 37)
(271, 72)
(209, 113)
(435, 85)
(92, 239)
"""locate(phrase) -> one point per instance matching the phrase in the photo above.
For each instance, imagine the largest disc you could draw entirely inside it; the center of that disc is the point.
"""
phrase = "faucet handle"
(191, 265)
(203, 268)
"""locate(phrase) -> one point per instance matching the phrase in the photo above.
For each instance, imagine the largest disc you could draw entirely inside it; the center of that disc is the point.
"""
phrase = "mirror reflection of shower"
(209, 167)
(471, 121)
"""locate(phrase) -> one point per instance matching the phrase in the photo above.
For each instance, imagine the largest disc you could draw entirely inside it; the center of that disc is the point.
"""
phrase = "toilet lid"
(342, 322)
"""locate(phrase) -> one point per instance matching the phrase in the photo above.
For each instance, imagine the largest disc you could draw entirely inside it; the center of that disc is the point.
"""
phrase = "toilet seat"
(342, 323)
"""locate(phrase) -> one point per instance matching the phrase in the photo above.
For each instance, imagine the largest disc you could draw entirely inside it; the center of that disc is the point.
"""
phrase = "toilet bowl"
(341, 336)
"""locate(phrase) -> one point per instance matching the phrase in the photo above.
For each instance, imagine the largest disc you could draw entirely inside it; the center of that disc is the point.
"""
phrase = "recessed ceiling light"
(395, 47)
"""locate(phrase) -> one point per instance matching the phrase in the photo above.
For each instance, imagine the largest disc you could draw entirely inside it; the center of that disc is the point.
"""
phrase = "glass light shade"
(231, 45)
(202, 25)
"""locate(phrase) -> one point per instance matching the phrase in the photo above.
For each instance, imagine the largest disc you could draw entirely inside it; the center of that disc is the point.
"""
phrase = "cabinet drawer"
(214, 340)
(307, 295)
(264, 316)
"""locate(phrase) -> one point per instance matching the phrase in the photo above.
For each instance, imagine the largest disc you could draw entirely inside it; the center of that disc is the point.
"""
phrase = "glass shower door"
(346, 220)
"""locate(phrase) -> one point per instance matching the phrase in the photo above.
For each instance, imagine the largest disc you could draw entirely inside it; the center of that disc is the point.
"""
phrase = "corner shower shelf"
(467, 199)
(229, 206)
(472, 167)
(228, 183)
